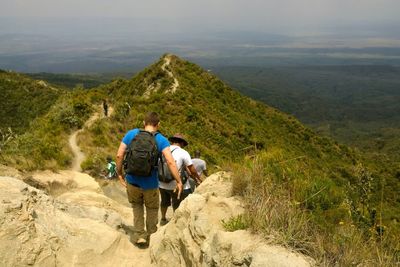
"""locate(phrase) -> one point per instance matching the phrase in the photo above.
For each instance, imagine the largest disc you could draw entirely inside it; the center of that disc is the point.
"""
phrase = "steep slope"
(213, 116)
(24, 99)
(45, 144)
(357, 104)
(216, 119)
(224, 125)
(329, 183)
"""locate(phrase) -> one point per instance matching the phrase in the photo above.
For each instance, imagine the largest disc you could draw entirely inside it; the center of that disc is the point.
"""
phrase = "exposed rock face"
(63, 181)
(78, 228)
(195, 235)
(71, 223)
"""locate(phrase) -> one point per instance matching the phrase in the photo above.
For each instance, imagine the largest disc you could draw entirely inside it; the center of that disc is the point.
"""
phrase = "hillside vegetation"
(75, 80)
(23, 100)
(303, 190)
(356, 104)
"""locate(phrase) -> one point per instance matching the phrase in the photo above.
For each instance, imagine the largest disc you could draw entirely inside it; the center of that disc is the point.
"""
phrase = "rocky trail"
(70, 222)
(68, 218)
(155, 86)
(165, 67)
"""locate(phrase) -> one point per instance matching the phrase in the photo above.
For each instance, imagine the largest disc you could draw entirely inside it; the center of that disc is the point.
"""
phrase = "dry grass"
(273, 212)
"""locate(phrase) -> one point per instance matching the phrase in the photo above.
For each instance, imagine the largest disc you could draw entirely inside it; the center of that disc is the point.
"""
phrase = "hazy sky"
(76, 35)
(267, 15)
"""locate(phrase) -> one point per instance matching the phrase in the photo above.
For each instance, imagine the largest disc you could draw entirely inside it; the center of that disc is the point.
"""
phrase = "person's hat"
(178, 138)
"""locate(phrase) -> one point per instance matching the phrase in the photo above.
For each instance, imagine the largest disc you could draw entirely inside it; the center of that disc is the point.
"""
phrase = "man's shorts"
(168, 197)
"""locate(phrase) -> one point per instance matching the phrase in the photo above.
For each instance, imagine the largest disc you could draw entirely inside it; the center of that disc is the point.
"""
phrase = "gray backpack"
(165, 175)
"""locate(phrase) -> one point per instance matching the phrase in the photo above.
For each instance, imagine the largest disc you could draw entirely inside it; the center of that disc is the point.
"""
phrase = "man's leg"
(192, 184)
(165, 203)
(135, 197)
(152, 202)
(164, 213)
(176, 202)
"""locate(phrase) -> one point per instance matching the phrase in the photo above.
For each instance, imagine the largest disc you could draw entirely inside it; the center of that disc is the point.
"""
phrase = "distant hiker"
(139, 152)
(127, 108)
(167, 184)
(105, 108)
(111, 168)
(200, 166)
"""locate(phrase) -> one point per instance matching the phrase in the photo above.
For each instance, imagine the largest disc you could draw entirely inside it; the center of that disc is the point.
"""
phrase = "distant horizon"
(98, 44)
(109, 25)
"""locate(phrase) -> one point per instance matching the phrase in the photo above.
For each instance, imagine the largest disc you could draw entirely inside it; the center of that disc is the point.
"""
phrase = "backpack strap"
(152, 133)
(161, 158)
(183, 165)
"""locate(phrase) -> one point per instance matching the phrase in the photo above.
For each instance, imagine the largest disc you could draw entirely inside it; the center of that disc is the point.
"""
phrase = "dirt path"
(113, 188)
(167, 62)
(79, 156)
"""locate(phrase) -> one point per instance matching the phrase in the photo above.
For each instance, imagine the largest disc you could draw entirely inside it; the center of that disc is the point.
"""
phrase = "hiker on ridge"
(105, 108)
(142, 149)
(167, 184)
(200, 166)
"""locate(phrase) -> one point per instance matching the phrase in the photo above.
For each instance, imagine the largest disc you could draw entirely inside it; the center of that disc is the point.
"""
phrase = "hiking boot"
(141, 241)
(163, 222)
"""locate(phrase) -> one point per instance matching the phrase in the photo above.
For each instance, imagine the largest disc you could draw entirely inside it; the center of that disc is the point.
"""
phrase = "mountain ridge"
(230, 130)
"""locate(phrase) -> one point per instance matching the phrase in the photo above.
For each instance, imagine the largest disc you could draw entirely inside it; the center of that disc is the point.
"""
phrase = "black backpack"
(165, 175)
(142, 155)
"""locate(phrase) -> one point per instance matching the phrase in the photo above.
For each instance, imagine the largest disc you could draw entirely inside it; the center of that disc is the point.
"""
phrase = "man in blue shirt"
(144, 190)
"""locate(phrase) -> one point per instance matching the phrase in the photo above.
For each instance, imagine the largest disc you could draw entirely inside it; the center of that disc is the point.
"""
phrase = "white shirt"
(199, 165)
(182, 160)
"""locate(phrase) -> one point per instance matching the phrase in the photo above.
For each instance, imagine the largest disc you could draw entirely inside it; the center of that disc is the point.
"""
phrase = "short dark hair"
(151, 118)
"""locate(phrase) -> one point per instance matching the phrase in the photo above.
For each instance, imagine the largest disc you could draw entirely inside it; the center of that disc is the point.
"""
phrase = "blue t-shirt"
(150, 182)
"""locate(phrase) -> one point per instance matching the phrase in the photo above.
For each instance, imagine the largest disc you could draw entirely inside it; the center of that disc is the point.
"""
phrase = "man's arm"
(173, 169)
(120, 158)
(204, 167)
(194, 174)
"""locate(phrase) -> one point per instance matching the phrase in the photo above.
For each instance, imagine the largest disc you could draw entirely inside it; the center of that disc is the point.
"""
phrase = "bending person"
(183, 162)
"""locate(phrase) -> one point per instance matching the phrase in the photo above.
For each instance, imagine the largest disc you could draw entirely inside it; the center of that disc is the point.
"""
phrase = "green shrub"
(235, 223)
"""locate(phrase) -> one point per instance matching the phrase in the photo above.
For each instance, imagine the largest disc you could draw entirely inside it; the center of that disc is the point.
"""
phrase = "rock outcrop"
(58, 183)
(77, 228)
(70, 222)
(195, 236)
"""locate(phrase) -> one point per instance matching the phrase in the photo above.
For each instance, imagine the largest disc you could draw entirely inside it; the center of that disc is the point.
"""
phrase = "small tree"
(6, 137)
(363, 188)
